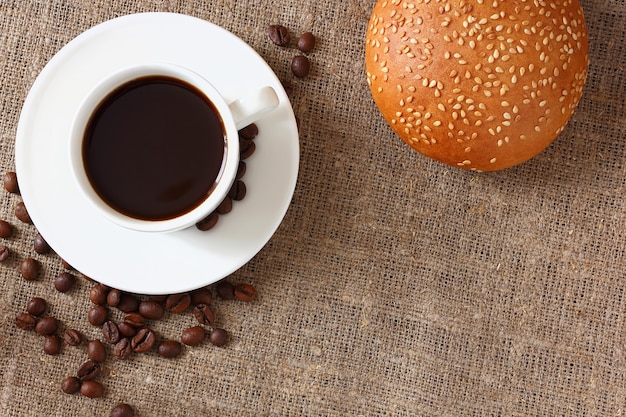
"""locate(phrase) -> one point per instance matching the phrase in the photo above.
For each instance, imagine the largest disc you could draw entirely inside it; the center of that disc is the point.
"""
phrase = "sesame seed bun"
(481, 85)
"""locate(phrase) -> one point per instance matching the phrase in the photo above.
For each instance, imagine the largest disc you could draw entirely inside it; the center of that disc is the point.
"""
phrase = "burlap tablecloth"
(396, 286)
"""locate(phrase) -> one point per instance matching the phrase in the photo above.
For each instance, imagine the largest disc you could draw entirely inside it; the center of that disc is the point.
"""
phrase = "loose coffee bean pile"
(123, 318)
(300, 64)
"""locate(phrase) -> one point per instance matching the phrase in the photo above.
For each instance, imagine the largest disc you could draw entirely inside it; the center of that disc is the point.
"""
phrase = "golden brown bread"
(481, 85)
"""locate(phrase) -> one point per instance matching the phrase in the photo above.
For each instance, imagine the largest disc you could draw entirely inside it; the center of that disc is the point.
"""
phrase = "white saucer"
(141, 262)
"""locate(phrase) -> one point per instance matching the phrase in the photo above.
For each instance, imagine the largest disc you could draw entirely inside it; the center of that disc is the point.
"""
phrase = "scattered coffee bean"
(52, 344)
(70, 385)
(158, 298)
(5, 252)
(123, 349)
(114, 297)
(40, 245)
(201, 296)
(241, 170)
(226, 290)
(10, 183)
(306, 42)
(192, 336)
(110, 332)
(204, 314)
(249, 132)
(22, 214)
(225, 206)
(122, 410)
(36, 306)
(128, 303)
(25, 321)
(98, 294)
(6, 230)
(64, 282)
(89, 371)
(46, 326)
(126, 330)
(246, 148)
(29, 268)
(98, 315)
(169, 348)
(279, 35)
(245, 292)
(135, 319)
(96, 351)
(92, 389)
(72, 337)
(151, 310)
(178, 303)
(208, 222)
(143, 341)
(218, 337)
(300, 66)
(237, 191)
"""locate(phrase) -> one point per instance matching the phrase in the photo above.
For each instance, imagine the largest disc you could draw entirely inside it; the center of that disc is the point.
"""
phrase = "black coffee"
(154, 148)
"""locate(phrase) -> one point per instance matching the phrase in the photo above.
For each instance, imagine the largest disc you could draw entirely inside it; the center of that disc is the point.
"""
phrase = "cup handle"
(251, 107)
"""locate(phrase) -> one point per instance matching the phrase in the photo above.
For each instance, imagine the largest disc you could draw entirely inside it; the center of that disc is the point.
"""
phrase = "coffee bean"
(225, 206)
(29, 268)
(52, 344)
(204, 314)
(192, 336)
(300, 66)
(72, 337)
(178, 303)
(46, 326)
(36, 306)
(98, 294)
(249, 132)
(123, 348)
(92, 389)
(306, 42)
(169, 348)
(237, 191)
(70, 385)
(114, 297)
(10, 183)
(245, 292)
(241, 170)
(110, 332)
(158, 298)
(201, 296)
(128, 303)
(246, 148)
(226, 290)
(6, 230)
(5, 252)
(89, 371)
(151, 310)
(96, 351)
(122, 410)
(279, 35)
(64, 282)
(98, 315)
(126, 330)
(143, 341)
(66, 265)
(22, 214)
(208, 222)
(218, 337)
(25, 321)
(40, 245)
(135, 319)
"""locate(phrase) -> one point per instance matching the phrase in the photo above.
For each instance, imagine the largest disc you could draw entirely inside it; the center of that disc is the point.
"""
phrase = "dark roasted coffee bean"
(126, 330)
(25, 321)
(225, 206)
(151, 310)
(98, 315)
(300, 66)
(92, 389)
(52, 344)
(22, 214)
(72, 337)
(204, 314)
(208, 222)
(218, 337)
(306, 42)
(246, 148)
(98, 294)
(169, 348)
(114, 297)
(89, 371)
(158, 298)
(6, 230)
(64, 282)
(177, 303)
(36, 306)
(40, 245)
(5, 252)
(70, 385)
(128, 303)
(192, 336)
(201, 296)
(123, 348)
(110, 332)
(279, 35)
(249, 132)
(46, 326)
(135, 319)
(143, 341)
(10, 183)
(245, 292)
(96, 351)
(122, 410)
(237, 191)
(226, 290)
(29, 268)
(241, 170)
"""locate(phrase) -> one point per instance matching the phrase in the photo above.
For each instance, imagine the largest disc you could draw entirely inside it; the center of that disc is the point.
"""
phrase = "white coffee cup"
(234, 116)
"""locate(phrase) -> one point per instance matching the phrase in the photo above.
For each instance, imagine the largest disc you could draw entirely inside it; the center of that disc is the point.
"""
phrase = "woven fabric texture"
(395, 286)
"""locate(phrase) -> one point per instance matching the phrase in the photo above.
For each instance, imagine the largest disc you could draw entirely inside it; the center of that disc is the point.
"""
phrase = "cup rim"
(99, 92)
